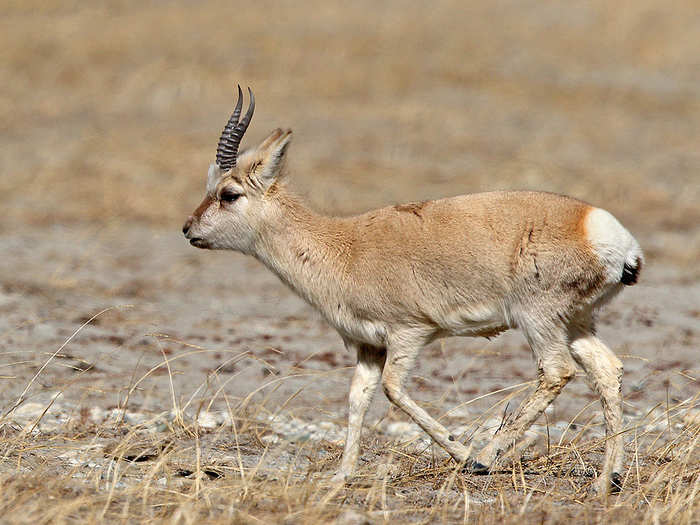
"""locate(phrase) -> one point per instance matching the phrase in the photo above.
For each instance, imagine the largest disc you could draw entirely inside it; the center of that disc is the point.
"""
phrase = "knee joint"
(558, 378)
(391, 389)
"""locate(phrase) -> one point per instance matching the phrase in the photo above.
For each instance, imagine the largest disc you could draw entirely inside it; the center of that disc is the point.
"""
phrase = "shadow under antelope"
(392, 280)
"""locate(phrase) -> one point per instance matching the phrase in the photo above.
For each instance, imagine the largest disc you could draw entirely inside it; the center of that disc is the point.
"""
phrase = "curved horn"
(237, 133)
(225, 152)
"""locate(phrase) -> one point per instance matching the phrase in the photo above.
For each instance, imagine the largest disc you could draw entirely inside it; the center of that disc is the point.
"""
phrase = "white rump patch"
(612, 243)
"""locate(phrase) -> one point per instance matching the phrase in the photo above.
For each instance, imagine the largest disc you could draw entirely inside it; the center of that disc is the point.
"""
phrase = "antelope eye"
(229, 196)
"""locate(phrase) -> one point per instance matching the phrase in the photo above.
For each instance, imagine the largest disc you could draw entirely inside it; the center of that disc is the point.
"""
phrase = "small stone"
(691, 417)
(134, 418)
(209, 420)
(353, 517)
(271, 439)
(29, 410)
(97, 415)
(403, 430)
(387, 470)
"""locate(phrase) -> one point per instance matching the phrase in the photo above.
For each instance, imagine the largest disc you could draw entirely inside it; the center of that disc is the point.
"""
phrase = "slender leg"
(400, 359)
(370, 362)
(604, 376)
(555, 370)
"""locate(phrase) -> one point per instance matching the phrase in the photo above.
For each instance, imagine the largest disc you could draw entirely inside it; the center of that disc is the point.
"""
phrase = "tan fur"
(394, 279)
(203, 206)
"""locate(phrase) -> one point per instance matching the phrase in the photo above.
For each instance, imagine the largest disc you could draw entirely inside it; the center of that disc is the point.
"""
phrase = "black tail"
(630, 274)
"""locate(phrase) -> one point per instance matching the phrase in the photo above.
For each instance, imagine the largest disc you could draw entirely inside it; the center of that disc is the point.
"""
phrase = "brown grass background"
(109, 116)
(110, 111)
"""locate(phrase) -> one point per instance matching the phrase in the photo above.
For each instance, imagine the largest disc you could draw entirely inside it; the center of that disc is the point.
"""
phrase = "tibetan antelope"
(394, 279)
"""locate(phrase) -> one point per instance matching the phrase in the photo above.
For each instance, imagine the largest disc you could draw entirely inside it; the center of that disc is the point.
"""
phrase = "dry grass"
(109, 114)
(186, 474)
(171, 467)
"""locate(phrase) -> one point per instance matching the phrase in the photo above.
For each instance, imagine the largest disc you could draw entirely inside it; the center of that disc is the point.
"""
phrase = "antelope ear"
(273, 157)
(213, 177)
(271, 138)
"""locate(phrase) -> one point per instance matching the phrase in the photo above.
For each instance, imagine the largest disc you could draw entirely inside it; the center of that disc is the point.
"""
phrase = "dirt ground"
(120, 344)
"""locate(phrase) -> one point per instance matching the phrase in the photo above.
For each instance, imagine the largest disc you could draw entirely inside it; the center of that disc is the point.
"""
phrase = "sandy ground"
(223, 320)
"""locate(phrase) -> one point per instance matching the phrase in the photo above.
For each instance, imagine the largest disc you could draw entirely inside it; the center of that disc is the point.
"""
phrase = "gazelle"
(394, 279)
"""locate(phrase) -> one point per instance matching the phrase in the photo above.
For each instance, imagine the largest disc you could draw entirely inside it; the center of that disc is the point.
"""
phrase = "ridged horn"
(227, 149)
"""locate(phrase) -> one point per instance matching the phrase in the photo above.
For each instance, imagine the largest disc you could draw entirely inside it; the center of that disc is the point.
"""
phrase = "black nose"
(187, 225)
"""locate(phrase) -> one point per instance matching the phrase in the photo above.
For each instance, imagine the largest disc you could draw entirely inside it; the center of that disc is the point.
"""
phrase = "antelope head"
(240, 192)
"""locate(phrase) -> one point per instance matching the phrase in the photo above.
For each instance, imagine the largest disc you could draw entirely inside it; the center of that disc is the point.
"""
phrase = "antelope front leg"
(370, 363)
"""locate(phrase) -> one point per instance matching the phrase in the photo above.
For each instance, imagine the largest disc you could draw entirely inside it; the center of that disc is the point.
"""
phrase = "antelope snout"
(188, 224)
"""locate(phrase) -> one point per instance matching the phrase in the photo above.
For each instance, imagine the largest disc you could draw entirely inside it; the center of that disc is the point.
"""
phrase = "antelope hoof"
(615, 483)
(475, 468)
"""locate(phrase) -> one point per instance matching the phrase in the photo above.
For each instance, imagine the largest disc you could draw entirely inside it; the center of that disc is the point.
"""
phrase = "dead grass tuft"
(185, 473)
